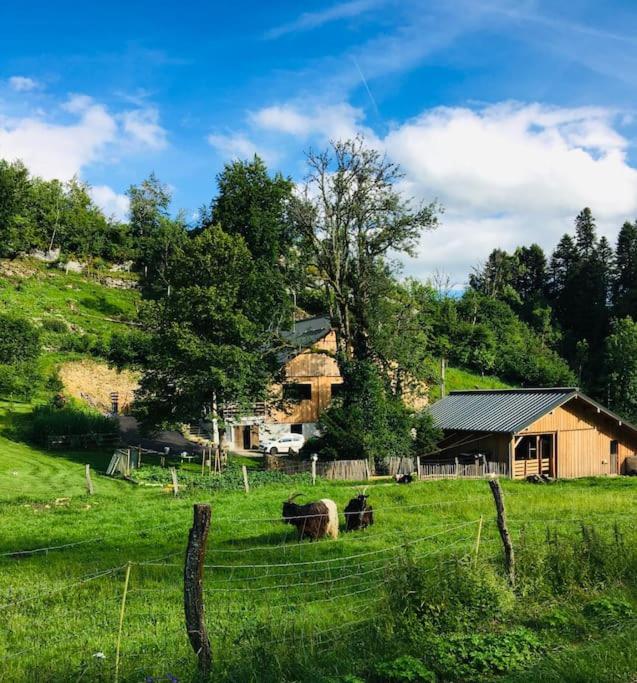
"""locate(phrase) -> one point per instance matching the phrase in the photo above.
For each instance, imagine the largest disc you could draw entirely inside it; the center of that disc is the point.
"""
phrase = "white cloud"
(142, 125)
(312, 20)
(58, 150)
(53, 147)
(239, 146)
(112, 203)
(328, 122)
(512, 174)
(506, 174)
(22, 83)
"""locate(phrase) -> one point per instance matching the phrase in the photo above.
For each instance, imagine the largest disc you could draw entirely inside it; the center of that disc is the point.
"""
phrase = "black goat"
(358, 513)
(314, 520)
(403, 478)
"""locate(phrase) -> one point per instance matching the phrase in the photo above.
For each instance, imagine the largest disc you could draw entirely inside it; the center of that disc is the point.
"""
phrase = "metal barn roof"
(305, 334)
(505, 410)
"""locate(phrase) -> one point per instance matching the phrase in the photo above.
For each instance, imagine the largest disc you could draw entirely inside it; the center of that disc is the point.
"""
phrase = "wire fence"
(266, 585)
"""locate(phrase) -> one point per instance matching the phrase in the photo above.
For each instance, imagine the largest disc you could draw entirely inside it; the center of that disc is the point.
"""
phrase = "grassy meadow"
(406, 591)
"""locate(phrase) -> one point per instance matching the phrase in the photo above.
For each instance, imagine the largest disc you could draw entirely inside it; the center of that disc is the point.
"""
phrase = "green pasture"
(277, 609)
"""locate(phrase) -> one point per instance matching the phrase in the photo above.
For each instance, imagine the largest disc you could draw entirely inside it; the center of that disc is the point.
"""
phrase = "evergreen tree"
(621, 368)
(625, 284)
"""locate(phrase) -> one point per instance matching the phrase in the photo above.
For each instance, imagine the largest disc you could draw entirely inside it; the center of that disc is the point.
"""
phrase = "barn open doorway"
(534, 454)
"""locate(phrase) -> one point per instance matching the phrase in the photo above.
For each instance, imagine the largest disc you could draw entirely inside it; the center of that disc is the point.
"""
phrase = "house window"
(337, 390)
(297, 392)
(296, 429)
(614, 447)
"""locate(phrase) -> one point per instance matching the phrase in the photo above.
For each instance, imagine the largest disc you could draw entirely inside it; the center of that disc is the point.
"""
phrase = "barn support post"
(122, 611)
(193, 587)
(509, 557)
(246, 485)
(89, 483)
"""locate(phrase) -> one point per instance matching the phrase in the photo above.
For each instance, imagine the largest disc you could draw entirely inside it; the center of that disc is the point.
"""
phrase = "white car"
(288, 444)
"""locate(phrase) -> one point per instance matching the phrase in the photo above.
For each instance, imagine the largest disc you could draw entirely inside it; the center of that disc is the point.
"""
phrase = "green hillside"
(66, 305)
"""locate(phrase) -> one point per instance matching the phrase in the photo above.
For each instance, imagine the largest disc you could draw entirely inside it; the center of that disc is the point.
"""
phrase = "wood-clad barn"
(311, 379)
(559, 432)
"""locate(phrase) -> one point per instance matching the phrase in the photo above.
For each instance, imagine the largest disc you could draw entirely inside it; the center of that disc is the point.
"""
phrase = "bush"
(481, 656)
(231, 479)
(56, 325)
(454, 599)
(609, 613)
(19, 340)
(71, 418)
(405, 668)
(128, 347)
(19, 380)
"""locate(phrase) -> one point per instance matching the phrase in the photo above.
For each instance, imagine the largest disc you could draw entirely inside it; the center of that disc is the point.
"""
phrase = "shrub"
(481, 656)
(450, 600)
(68, 419)
(56, 325)
(19, 340)
(128, 347)
(230, 479)
(405, 668)
(609, 612)
(19, 380)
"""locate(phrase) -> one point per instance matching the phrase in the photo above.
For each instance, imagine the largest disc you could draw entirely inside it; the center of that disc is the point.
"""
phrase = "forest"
(219, 290)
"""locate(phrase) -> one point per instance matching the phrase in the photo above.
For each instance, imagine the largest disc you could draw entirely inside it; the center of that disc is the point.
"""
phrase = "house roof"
(305, 334)
(505, 410)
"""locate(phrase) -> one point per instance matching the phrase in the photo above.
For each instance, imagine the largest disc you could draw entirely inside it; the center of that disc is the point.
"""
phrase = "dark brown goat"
(358, 513)
(313, 520)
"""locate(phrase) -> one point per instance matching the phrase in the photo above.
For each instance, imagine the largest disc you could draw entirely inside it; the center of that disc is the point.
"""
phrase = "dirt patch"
(93, 382)
(16, 269)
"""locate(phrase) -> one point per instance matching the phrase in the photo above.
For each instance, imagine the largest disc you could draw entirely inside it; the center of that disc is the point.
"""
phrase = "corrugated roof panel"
(496, 411)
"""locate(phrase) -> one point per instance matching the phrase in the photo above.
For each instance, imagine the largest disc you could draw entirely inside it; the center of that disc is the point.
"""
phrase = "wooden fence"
(91, 440)
(454, 469)
(348, 470)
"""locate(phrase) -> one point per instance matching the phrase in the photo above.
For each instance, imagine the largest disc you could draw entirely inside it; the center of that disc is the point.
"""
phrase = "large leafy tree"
(159, 237)
(253, 204)
(205, 345)
(351, 216)
(16, 227)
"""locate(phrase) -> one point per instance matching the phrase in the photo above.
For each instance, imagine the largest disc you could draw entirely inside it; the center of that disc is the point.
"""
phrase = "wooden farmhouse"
(311, 379)
(559, 432)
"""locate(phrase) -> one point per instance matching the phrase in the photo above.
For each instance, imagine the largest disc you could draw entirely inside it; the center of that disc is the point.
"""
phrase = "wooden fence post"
(477, 549)
(418, 469)
(89, 483)
(456, 467)
(122, 609)
(509, 557)
(313, 471)
(246, 485)
(173, 474)
(193, 587)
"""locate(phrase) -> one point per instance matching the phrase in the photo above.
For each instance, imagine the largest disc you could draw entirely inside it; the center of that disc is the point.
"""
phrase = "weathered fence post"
(122, 610)
(246, 485)
(314, 459)
(89, 483)
(173, 474)
(418, 469)
(509, 557)
(193, 587)
(456, 467)
(477, 549)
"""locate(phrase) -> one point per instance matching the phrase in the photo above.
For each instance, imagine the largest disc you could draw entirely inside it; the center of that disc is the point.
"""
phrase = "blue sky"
(513, 114)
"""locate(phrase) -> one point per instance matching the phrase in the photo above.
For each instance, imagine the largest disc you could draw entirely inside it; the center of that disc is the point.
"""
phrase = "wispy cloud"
(312, 20)
(23, 83)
